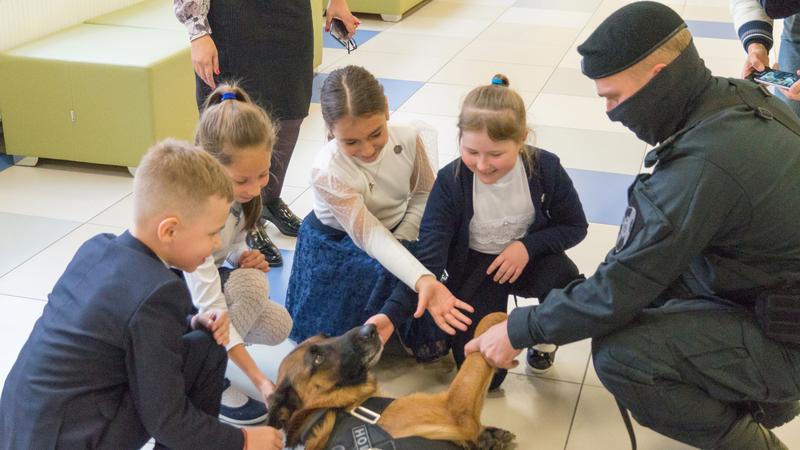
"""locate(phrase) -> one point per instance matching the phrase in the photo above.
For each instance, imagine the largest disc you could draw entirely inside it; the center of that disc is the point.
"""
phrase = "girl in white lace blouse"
(370, 185)
(498, 221)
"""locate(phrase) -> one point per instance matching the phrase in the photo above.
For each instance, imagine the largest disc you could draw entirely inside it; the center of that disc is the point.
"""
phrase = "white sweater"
(205, 284)
(366, 200)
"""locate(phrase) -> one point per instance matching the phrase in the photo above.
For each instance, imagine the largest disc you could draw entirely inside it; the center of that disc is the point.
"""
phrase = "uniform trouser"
(288, 131)
(789, 54)
(204, 364)
(542, 274)
(682, 368)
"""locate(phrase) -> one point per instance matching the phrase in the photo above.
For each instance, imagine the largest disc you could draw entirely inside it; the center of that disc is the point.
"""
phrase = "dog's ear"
(282, 403)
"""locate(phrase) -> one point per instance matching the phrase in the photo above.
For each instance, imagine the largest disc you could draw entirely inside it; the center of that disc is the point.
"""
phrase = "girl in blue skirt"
(370, 185)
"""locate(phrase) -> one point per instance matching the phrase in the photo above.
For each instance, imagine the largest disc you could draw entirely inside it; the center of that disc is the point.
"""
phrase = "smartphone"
(338, 29)
(339, 32)
(776, 78)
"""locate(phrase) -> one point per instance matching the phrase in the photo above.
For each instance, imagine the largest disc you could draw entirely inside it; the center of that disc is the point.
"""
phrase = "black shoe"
(772, 415)
(259, 240)
(277, 212)
(540, 362)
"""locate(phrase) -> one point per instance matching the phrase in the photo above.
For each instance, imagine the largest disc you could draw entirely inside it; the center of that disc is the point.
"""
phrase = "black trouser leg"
(684, 368)
(204, 364)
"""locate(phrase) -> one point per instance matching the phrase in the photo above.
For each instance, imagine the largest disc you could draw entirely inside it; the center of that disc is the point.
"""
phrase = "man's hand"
(509, 264)
(757, 59)
(495, 346)
(442, 305)
(792, 93)
(205, 59)
(383, 324)
(253, 259)
(340, 10)
(216, 322)
(263, 438)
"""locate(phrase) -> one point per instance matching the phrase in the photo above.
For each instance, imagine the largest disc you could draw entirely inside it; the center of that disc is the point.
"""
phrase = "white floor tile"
(21, 314)
(119, 214)
(329, 57)
(456, 10)
(299, 172)
(313, 127)
(546, 17)
(572, 112)
(62, 190)
(528, 53)
(37, 276)
(436, 99)
(473, 73)
(598, 424)
(566, 81)
(601, 151)
(514, 33)
(399, 66)
(23, 236)
(593, 249)
(440, 26)
(436, 46)
(708, 13)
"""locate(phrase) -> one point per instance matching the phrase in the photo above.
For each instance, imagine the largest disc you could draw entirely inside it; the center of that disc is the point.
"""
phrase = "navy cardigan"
(559, 224)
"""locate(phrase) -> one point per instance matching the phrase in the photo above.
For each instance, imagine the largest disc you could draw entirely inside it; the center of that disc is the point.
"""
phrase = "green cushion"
(97, 93)
(389, 7)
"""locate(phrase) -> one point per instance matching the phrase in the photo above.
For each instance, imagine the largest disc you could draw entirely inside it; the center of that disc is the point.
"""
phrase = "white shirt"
(503, 211)
(205, 284)
(366, 200)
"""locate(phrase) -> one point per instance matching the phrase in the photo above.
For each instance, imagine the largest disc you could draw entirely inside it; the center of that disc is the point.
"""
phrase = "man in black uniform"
(705, 237)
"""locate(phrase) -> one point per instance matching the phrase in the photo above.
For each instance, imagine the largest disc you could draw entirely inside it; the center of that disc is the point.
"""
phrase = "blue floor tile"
(6, 161)
(361, 37)
(397, 91)
(279, 278)
(604, 195)
(707, 29)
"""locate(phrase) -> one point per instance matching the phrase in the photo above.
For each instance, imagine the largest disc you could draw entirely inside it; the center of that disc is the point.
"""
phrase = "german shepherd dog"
(331, 374)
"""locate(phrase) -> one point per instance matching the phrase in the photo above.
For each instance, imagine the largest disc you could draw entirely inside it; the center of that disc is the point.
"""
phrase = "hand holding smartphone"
(339, 32)
(776, 78)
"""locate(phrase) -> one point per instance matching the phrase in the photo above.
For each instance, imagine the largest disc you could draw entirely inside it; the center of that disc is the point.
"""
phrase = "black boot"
(278, 212)
(259, 240)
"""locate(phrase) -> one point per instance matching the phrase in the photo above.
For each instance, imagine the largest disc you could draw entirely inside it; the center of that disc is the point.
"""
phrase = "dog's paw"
(492, 438)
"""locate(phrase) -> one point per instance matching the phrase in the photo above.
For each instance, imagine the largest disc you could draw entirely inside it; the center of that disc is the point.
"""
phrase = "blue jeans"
(789, 54)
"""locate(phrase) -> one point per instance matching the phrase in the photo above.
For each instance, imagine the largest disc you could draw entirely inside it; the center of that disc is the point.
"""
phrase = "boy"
(116, 356)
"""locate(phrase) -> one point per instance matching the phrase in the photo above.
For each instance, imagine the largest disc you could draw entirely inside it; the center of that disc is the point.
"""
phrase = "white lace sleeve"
(420, 185)
(367, 232)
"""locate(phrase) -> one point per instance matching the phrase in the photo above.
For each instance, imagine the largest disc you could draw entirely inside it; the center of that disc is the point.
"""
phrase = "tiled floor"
(427, 62)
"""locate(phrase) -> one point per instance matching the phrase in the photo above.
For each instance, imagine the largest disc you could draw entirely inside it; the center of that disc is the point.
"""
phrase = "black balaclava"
(625, 38)
(661, 107)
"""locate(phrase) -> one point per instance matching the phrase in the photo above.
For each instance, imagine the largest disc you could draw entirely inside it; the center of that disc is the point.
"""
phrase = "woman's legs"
(275, 210)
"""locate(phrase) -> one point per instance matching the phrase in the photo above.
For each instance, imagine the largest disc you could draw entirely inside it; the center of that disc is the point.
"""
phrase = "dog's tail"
(474, 376)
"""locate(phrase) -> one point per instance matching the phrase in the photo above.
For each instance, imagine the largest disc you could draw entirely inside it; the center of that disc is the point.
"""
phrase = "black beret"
(626, 37)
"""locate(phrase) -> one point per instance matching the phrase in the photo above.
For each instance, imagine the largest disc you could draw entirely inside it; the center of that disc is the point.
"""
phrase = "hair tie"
(497, 81)
(228, 96)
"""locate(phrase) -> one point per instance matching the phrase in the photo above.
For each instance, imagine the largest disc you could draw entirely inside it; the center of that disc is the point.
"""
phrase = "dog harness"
(358, 430)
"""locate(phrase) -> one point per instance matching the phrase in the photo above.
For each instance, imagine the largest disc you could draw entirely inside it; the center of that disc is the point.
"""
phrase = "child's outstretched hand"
(253, 259)
(217, 322)
(508, 266)
(266, 388)
(442, 304)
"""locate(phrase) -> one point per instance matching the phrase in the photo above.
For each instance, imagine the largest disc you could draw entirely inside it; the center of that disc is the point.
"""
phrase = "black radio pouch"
(778, 314)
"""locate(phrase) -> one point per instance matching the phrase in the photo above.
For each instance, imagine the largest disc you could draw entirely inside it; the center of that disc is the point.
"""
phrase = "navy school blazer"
(559, 223)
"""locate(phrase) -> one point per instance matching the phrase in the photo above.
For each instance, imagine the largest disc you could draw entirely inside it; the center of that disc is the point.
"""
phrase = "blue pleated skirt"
(335, 286)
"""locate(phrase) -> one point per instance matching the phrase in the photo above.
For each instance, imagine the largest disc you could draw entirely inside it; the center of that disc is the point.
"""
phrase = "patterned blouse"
(193, 14)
